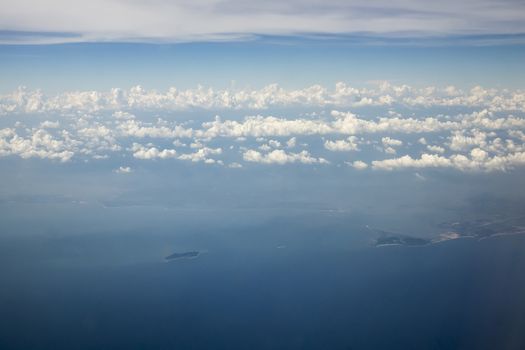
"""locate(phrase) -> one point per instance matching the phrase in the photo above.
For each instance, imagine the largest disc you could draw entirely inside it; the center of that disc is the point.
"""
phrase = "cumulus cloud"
(49, 124)
(274, 143)
(359, 165)
(388, 141)
(426, 161)
(350, 144)
(123, 170)
(281, 157)
(487, 138)
(138, 129)
(458, 141)
(202, 155)
(390, 150)
(347, 123)
(121, 101)
(478, 161)
(435, 149)
(39, 144)
(141, 152)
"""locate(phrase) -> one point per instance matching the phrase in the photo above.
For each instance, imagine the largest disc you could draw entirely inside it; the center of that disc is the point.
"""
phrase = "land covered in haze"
(477, 229)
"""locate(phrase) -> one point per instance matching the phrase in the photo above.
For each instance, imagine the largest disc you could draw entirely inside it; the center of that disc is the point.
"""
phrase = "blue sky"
(62, 45)
(291, 62)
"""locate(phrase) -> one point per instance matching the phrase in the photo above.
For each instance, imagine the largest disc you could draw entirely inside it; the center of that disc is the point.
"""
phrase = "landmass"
(478, 229)
(387, 238)
(185, 255)
(482, 228)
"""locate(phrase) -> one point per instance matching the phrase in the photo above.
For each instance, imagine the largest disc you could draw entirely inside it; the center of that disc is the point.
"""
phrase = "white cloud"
(202, 155)
(281, 157)
(359, 165)
(141, 152)
(436, 149)
(350, 144)
(264, 147)
(274, 143)
(478, 161)
(196, 144)
(137, 129)
(178, 143)
(235, 165)
(123, 115)
(390, 150)
(460, 142)
(517, 134)
(40, 144)
(123, 170)
(174, 21)
(260, 126)
(486, 139)
(49, 124)
(121, 101)
(387, 141)
(426, 161)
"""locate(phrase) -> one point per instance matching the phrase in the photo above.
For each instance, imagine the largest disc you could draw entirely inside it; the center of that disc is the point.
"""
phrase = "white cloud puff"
(281, 157)
(123, 170)
(49, 124)
(350, 144)
(202, 155)
(359, 165)
(388, 141)
(435, 149)
(141, 152)
(426, 161)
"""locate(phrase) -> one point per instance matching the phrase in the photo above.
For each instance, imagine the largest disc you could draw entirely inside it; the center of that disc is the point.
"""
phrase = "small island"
(186, 255)
(400, 240)
(387, 238)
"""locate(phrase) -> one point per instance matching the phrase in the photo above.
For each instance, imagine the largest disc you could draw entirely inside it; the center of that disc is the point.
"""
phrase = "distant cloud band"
(59, 21)
(23, 100)
(486, 134)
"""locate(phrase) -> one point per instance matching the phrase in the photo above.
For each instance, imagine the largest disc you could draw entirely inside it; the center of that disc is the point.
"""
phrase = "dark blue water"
(323, 290)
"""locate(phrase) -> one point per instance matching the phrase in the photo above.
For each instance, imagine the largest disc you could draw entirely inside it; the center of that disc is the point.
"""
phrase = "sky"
(393, 86)
(290, 62)
(60, 21)
(77, 45)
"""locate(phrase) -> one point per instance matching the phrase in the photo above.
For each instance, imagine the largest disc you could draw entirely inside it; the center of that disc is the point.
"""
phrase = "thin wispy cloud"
(55, 21)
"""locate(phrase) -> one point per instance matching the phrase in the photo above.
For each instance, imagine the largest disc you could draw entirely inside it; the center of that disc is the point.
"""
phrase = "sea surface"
(300, 280)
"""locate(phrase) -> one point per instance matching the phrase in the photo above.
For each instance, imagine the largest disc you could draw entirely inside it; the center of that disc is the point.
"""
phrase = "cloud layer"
(341, 95)
(54, 21)
(403, 131)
